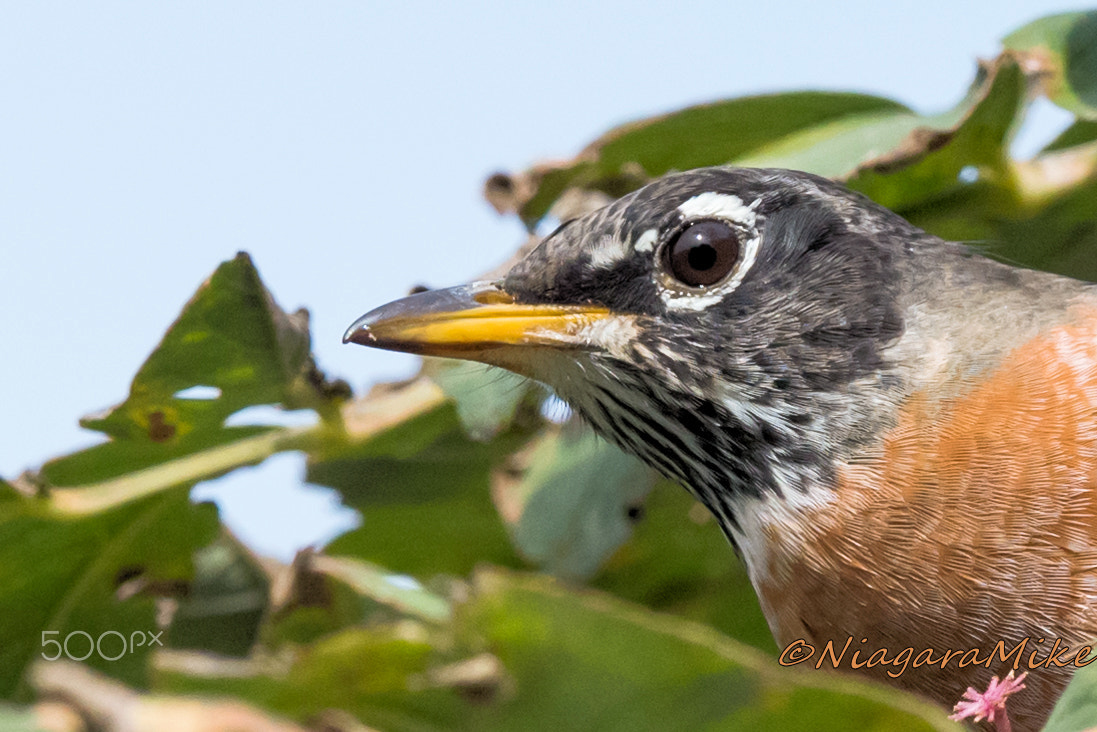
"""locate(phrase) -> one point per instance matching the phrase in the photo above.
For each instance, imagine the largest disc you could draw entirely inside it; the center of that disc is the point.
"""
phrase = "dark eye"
(702, 253)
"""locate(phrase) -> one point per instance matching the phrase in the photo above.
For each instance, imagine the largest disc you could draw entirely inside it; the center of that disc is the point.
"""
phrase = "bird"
(897, 433)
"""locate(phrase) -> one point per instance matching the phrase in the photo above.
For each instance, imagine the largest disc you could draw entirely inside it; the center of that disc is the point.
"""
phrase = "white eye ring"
(701, 253)
(712, 206)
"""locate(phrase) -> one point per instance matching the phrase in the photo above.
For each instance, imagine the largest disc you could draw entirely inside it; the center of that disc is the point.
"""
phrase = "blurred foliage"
(1077, 708)
(510, 572)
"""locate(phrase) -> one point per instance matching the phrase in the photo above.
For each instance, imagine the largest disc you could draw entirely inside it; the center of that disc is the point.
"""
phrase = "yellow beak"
(471, 322)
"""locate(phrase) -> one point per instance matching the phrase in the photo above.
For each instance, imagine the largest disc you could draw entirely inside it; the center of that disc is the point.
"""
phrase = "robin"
(898, 436)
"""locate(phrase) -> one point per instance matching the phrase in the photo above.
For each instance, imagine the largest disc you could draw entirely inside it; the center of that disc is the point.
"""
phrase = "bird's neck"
(734, 453)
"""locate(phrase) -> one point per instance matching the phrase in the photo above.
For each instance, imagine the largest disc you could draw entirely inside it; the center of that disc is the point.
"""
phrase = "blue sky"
(343, 144)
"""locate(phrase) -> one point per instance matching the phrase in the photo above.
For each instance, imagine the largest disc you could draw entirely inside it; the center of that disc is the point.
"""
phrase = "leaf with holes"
(92, 580)
(232, 347)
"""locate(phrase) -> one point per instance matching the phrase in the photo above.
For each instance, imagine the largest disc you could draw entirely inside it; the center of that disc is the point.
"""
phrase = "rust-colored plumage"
(974, 521)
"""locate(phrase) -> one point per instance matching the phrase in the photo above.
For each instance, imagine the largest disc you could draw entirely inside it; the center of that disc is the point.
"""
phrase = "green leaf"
(62, 576)
(15, 719)
(902, 160)
(380, 585)
(1062, 236)
(247, 448)
(1076, 709)
(1079, 133)
(379, 674)
(570, 508)
(227, 599)
(486, 398)
(448, 532)
(1064, 48)
(589, 661)
(421, 484)
(526, 653)
(726, 131)
(711, 134)
(309, 604)
(899, 158)
(679, 561)
(231, 339)
(979, 142)
(1053, 230)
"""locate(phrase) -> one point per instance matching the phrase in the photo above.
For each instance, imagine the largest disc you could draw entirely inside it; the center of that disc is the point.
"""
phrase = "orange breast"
(973, 521)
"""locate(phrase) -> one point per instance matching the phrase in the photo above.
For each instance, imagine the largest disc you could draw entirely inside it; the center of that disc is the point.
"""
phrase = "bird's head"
(728, 326)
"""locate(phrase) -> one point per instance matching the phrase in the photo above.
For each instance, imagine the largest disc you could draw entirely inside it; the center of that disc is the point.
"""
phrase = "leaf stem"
(85, 499)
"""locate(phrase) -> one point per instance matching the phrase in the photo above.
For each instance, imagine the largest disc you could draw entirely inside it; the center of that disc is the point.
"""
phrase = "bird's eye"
(702, 253)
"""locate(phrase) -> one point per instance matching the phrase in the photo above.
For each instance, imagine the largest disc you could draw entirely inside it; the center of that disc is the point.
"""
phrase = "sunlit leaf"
(1063, 48)
(384, 587)
(712, 134)
(15, 719)
(232, 347)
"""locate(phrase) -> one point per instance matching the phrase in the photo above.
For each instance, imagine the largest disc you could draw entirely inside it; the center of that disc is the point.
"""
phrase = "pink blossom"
(987, 704)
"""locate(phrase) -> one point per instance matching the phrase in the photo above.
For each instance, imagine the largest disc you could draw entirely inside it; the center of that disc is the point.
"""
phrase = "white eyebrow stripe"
(609, 252)
(646, 241)
(720, 205)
